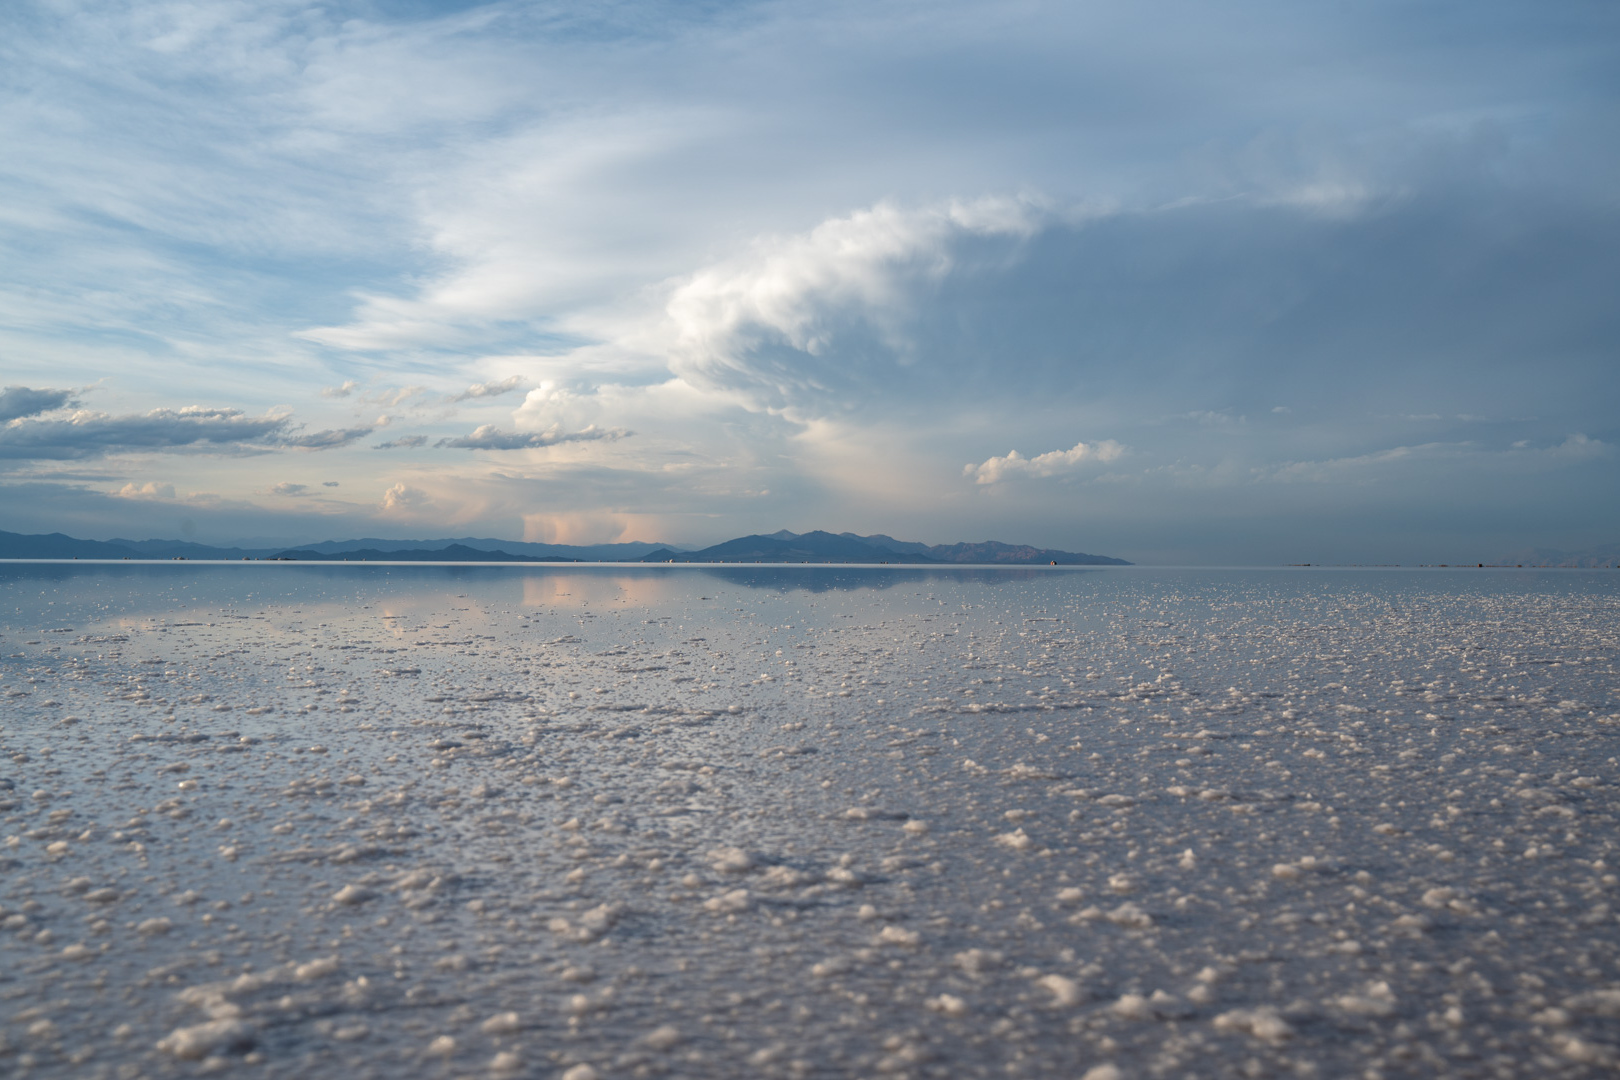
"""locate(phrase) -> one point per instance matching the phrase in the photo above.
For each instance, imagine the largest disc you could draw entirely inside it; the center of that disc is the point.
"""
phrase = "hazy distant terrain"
(1601, 556)
(828, 547)
(784, 546)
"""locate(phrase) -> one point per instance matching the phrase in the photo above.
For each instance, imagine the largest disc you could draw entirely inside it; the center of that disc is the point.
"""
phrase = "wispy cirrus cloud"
(1386, 464)
(490, 437)
(329, 439)
(489, 390)
(404, 442)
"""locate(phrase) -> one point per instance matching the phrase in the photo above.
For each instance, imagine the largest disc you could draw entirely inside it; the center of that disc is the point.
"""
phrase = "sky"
(1252, 282)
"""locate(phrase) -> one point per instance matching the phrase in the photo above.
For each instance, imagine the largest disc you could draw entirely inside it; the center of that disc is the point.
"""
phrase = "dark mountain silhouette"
(825, 547)
(59, 546)
(778, 547)
(580, 552)
(451, 553)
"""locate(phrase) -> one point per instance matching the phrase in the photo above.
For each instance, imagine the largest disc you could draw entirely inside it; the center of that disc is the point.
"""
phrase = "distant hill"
(1604, 555)
(185, 549)
(449, 553)
(59, 546)
(778, 547)
(577, 552)
(825, 547)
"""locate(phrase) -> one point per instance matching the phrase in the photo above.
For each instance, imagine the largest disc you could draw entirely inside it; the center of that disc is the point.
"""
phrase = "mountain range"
(460, 549)
(826, 547)
(779, 547)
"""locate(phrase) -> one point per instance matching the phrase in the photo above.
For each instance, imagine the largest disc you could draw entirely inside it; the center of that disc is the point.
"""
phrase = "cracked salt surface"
(371, 821)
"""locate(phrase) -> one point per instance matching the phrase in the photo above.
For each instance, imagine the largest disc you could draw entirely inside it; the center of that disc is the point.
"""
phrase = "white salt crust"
(1097, 826)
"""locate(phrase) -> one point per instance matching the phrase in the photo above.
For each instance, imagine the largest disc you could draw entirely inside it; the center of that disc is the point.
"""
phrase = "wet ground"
(371, 821)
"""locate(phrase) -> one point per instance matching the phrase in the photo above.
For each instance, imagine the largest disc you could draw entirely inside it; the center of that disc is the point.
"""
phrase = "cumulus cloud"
(404, 497)
(89, 434)
(348, 387)
(1053, 463)
(803, 322)
(488, 390)
(20, 401)
(329, 439)
(490, 437)
(404, 442)
(148, 490)
(290, 489)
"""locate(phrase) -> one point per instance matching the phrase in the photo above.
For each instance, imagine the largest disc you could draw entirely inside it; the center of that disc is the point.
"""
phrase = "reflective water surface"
(414, 821)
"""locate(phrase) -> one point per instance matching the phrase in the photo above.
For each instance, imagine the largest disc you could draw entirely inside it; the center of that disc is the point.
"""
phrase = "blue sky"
(1250, 282)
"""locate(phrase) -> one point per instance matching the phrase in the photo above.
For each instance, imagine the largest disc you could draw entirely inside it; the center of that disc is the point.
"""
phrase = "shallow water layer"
(311, 821)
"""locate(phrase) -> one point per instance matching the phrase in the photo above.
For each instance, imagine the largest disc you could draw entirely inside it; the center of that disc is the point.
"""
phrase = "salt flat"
(287, 820)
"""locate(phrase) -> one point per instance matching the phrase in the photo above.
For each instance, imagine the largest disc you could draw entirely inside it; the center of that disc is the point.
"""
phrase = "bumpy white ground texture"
(371, 821)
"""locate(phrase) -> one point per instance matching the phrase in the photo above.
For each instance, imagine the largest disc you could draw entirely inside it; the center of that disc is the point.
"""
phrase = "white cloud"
(404, 442)
(289, 489)
(1053, 463)
(490, 437)
(90, 434)
(148, 490)
(404, 497)
(328, 439)
(348, 387)
(19, 401)
(781, 327)
(395, 396)
(489, 390)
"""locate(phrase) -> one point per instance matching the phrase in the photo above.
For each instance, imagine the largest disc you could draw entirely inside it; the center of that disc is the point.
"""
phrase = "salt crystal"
(350, 895)
(728, 903)
(1263, 1023)
(501, 1024)
(1017, 840)
(899, 935)
(1376, 1000)
(202, 1040)
(1132, 1007)
(1065, 991)
(1129, 915)
(731, 860)
(315, 969)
